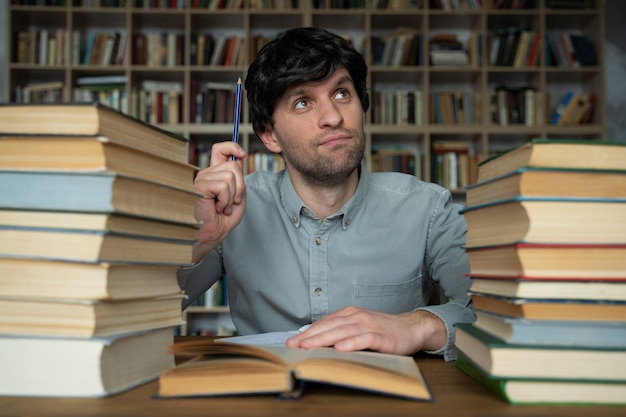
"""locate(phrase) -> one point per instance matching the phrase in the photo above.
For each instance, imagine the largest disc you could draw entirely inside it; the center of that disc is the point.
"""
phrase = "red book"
(534, 50)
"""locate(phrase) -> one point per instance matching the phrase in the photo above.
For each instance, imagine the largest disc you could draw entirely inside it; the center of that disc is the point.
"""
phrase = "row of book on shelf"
(518, 47)
(547, 250)
(157, 49)
(446, 5)
(513, 47)
(96, 217)
(161, 102)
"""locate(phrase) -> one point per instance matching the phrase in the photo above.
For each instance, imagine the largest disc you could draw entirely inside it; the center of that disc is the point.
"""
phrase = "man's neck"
(325, 200)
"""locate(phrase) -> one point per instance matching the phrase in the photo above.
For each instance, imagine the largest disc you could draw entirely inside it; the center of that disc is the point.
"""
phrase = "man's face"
(318, 128)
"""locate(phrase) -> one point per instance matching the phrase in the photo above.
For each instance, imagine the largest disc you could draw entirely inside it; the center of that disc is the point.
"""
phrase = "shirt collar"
(295, 207)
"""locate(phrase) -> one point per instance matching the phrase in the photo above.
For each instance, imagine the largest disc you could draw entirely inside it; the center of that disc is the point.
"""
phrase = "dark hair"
(296, 56)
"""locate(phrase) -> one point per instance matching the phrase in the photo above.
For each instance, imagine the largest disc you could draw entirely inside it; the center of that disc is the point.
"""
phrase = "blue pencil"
(237, 113)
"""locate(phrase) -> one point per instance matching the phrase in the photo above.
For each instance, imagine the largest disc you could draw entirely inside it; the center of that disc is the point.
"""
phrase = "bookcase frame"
(483, 137)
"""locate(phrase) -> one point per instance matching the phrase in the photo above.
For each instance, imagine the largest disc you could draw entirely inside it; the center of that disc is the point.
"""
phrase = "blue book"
(582, 333)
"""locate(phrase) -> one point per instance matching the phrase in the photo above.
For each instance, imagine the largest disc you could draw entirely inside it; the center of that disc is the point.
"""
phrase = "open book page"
(265, 339)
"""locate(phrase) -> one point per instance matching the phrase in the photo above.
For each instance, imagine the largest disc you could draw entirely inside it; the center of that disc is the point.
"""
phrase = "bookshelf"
(405, 88)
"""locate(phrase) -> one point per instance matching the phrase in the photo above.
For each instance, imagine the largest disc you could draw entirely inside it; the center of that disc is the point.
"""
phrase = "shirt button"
(294, 219)
(348, 221)
(318, 291)
(318, 241)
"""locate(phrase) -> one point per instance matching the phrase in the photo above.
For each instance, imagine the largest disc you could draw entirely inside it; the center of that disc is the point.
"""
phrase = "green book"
(546, 391)
(511, 360)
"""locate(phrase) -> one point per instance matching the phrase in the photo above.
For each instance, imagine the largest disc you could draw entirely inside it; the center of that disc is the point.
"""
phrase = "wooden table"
(455, 395)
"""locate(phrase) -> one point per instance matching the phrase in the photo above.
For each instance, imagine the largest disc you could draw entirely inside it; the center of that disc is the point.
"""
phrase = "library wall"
(615, 65)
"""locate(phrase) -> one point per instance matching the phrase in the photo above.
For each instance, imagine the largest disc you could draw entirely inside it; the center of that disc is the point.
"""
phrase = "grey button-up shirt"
(385, 250)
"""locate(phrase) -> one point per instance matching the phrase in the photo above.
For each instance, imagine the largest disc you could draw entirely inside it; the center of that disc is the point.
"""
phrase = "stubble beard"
(330, 170)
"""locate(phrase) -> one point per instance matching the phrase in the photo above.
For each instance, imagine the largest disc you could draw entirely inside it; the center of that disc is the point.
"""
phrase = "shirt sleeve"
(194, 280)
(447, 264)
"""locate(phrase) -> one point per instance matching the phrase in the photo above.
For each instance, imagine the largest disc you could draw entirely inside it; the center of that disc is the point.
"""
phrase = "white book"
(97, 367)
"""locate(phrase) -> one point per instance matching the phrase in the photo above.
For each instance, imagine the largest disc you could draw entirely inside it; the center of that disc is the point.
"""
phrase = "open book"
(232, 368)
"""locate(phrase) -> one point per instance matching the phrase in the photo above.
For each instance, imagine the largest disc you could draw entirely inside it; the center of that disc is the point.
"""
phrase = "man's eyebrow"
(301, 88)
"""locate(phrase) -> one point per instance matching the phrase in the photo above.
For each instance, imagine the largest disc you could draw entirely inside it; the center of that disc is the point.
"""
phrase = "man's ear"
(269, 140)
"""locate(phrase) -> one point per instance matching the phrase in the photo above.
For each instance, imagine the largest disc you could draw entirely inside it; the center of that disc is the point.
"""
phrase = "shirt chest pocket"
(393, 298)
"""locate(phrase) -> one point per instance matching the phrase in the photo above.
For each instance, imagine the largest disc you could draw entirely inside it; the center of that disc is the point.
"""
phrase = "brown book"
(84, 119)
(546, 221)
(549, 261)
(71, 367)
(546, 182)
(91, 154)
(546, 309)
(556, 153)
(91, 246)
(223, 368)
(38, 278)
(87, 318)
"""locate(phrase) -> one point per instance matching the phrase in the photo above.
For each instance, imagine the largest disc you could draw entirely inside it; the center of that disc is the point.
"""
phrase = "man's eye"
(342, 94)
(301, 104)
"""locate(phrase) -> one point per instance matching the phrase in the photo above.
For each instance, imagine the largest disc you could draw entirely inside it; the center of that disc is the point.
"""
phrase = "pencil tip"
(239, 80)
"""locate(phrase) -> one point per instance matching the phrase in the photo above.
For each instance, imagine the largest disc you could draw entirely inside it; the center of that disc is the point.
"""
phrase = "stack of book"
(96, 215)
(547, 247)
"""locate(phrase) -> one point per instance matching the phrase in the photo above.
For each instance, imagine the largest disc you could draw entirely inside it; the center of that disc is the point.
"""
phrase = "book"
(91, 246)
(70, 367)
(549, 260)
(87, 318)
(567, 332)
(548, 182)
(223, 368)
(91, 154)
(556, 153)
(100, 222)
(582, 221)
(84, 281)
(95, 193)
(511, 360)
(84, 119)
(549, 309)
(555, 288)
(530, 391)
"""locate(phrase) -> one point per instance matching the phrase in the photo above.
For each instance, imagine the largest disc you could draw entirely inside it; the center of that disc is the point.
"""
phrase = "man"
(354, 253)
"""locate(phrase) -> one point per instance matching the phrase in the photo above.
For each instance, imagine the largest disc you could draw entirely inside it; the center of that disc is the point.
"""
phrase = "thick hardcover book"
(531, 391)
(91, 246)
(569, 332)
(514, 360)
(239, 369)
(552, 309)
(87, 318)
(38, 278)
(546, 220)
(96, 193)
(556, 153)
(91, 154)
(550, 260)
(84, 119)
(71, 367)
(549, 183)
